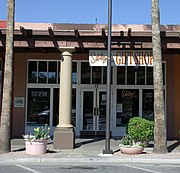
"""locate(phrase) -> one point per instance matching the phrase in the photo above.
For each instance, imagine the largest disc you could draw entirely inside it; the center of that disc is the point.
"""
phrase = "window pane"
(127, 106)
(141, 76)
(52, 72)
(120, 75)
(74, 73)
(74, 107)
(59, 68)
(85, 73)
(163, 69)
(149, 76)
(130, 76)
(56, 106)
(42, 74)
(96, 75)
(38, 112)
(148, 104)
(105, 75)
(88, 110)
(32, 72)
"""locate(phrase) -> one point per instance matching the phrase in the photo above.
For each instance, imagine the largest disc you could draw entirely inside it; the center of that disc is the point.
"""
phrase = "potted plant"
(36, 144)
(127, 146)
(141, 130)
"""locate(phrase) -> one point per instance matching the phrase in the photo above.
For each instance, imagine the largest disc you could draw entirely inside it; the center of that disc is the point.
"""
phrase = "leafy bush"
(140, 129)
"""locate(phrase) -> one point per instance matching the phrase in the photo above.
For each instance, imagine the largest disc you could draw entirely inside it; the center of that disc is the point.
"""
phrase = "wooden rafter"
(23, 31)
(51, 32)
(103, 33)
(76, 32)
(129, 33)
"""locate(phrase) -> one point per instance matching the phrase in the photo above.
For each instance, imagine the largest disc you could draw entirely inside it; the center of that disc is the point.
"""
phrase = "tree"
(160, 138)
(5, 126)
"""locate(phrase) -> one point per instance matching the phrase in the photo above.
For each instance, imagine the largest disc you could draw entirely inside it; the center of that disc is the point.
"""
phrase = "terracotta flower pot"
(132, 150)
(36, 147)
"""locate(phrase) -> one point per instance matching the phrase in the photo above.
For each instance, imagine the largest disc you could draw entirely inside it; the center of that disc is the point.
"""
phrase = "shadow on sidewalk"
(173, 146)
(87, 141)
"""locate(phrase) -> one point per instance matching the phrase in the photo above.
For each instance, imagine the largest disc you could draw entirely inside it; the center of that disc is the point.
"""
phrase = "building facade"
(54, 62)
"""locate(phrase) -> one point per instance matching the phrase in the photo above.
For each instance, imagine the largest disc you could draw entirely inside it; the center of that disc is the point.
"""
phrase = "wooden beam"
(23, 31)
(76, 32)
(103, 33)
(129, 33)
(51, 32)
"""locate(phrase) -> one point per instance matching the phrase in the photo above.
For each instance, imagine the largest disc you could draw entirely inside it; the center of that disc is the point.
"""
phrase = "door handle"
(96, 111)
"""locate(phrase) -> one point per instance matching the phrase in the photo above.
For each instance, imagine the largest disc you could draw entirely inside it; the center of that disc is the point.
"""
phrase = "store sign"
(121, 58)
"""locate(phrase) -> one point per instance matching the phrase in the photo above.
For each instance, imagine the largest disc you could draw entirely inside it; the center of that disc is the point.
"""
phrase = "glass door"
(93, 111)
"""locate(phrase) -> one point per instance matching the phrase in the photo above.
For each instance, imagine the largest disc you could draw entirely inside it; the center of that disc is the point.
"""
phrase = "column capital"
(67, 51)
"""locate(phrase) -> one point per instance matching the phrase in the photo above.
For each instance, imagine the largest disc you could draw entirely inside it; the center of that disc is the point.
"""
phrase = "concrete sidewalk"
(89, 150)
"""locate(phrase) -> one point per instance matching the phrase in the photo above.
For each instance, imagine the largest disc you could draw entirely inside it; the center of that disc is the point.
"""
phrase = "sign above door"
(121, 58)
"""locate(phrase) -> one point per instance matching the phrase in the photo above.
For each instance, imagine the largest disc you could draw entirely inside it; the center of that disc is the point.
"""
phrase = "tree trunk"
(160, 141)
(5, 127)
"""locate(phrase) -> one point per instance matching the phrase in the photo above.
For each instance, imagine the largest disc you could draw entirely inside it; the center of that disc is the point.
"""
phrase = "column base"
(64, 138)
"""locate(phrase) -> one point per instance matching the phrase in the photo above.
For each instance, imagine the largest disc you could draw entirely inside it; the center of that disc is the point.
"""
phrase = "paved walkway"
(90, 150)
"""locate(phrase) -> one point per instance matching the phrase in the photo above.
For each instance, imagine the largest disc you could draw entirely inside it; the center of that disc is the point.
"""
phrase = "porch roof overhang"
(85, 37)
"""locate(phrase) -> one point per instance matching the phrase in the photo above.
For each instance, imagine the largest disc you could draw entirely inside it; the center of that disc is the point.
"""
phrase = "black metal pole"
(108, 99)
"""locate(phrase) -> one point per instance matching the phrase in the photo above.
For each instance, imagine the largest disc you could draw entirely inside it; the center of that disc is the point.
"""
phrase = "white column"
(65, 99)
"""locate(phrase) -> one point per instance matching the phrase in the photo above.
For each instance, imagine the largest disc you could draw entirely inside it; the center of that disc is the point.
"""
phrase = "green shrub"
(140, 129)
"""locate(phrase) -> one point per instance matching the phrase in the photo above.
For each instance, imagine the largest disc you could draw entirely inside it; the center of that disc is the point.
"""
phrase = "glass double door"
(93, 111)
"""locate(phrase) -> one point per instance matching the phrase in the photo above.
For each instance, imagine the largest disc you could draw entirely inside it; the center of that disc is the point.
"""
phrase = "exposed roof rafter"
(103, 33)
(23, 31)
(76, 32)
(129, 33)
(51, 32)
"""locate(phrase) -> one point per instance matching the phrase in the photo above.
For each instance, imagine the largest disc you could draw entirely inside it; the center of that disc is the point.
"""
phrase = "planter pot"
(132, 150)
(36, 147)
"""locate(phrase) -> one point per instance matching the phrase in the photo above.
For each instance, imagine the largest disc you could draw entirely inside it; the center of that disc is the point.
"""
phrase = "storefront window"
(120, 75)
(59, 69)
(96, 75)
(149, 76)
(141, 76)
(163, 69)
(46, 71)
(42, 73)
(148, 104)
(74, 73)
(38, 112)
(74, 107)
(85, 73)
(104, 71)
(55, 106)
(52, 72)
(32, 72)
(130, 76)
(127, 106)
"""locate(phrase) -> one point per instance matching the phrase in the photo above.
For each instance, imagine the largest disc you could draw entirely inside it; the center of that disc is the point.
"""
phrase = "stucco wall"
(170, 93)
(177, 95)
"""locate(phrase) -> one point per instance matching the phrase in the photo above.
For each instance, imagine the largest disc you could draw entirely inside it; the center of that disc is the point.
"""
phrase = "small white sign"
(18, 102)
